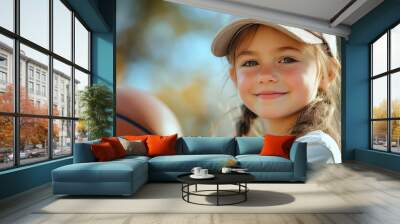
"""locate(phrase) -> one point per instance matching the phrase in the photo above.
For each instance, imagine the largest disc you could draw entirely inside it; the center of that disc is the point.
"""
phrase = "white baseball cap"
(224, 37)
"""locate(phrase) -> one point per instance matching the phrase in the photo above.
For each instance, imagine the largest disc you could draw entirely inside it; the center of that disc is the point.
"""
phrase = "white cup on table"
(203, 172)
(226, 170)
(196, 170)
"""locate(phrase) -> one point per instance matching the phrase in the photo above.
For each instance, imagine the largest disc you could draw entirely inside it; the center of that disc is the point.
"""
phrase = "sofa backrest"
(206, 145)
(83, 152)
(191, 146)
(249, 145)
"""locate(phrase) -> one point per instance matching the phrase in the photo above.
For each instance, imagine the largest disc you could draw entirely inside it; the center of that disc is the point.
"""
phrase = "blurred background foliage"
(163, 49)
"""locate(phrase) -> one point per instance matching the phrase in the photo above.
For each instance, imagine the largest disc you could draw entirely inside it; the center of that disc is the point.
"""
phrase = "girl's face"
(275, 75)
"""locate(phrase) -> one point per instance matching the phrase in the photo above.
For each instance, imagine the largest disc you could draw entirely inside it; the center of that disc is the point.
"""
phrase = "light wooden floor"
(351, 181)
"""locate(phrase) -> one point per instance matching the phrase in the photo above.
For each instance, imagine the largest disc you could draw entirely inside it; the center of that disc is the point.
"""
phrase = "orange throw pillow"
(135, 137)
(116, 145)
(103, 151)
(161, 145)
(277, 145)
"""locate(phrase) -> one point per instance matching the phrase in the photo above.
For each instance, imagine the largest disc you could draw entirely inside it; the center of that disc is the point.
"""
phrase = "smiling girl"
(287, 77)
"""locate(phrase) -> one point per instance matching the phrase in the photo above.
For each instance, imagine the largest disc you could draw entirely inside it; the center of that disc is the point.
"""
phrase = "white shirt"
(321, 148)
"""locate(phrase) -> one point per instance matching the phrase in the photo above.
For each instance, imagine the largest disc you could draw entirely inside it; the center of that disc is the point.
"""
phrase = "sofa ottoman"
(118, 177)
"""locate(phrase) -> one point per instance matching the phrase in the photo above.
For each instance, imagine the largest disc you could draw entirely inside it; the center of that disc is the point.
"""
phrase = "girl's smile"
(269, 95)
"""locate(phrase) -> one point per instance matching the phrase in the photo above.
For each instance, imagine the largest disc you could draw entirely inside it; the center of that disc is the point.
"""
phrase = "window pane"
(81, 45)
(33, 140)
(395, 94)
(379, 55)
(62, 138)
(35, 21)
(62, 29)
(34, 81)
(81, 81)
(62, 89)
(81, 131)
(395, 136)
(379, 97)
(6, 74)
(379, 135)
(7, 14)
(395, 47)
(6, 142)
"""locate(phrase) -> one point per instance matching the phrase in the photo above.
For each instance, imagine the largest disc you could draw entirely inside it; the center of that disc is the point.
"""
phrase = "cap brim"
(219, 46)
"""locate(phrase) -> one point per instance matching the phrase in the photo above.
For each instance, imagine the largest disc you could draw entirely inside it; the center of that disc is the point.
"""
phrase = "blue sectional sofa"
(125, 176)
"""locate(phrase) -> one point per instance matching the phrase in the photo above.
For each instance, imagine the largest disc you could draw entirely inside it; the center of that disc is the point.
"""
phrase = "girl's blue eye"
(288, 60)
(249, 63)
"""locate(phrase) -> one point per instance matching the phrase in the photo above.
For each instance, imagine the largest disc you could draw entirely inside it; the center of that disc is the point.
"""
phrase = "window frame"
(388, 74)
(16, 115)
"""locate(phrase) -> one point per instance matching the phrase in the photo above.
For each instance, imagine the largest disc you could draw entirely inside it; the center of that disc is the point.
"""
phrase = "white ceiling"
(324, 16)
(320, 9)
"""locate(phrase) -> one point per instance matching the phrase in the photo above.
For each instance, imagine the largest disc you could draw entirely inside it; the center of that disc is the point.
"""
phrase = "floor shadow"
(94, 196)
(255, 198)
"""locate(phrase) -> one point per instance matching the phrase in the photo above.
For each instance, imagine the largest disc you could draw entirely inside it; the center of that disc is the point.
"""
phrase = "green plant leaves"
(96, 102)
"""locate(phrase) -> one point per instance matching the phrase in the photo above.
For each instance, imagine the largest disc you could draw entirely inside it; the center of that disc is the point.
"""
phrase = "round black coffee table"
(238, 179)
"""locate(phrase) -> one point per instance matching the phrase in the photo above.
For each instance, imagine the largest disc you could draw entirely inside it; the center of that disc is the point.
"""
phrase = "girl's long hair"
(323, 113)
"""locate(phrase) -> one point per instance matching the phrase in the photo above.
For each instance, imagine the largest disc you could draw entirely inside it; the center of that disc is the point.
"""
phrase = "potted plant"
(96, 102)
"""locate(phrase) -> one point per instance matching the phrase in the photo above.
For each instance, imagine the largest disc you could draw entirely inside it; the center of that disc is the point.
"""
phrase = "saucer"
(240, 171)
(208, 176)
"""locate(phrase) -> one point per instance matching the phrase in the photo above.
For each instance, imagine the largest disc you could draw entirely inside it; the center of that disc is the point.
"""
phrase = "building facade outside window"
(3, 60)
(3, 72)
(3, 78)
(30, 87)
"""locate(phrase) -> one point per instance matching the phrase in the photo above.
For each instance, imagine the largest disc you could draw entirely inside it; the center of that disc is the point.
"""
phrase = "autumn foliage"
(380, 127)
(33, 131)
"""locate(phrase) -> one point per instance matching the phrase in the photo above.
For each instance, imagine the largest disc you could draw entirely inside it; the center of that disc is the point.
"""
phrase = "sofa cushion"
(161, 145)
(134, 147)
(185, 163)
(111, 171)
(83, 152)
(116, 145)
(275, 145)
(103, 151)
(206, 145)
(135, 137)
(257, 163)
(249, 145)
(131, 158)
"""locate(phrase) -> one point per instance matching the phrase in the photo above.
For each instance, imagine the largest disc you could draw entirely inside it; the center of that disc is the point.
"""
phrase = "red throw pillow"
(161, 145)
(116, 145)
(103, 151)
(277, 145)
